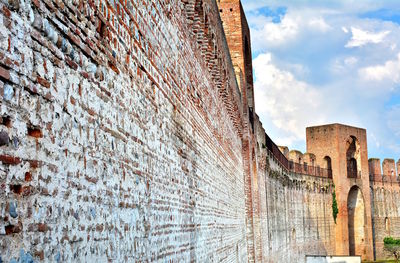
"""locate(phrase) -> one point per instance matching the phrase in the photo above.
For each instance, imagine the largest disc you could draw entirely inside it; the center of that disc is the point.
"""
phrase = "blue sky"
(319, 62)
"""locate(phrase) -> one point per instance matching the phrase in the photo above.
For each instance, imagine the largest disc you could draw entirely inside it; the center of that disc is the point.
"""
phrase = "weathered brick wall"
(238, 40)
(386, 216)
(124, 137)
(385, 193)
(120, 133)
(294, 211)
(296, 215)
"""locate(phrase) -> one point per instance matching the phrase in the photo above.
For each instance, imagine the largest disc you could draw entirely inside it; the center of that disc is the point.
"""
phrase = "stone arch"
(356, 222)
(328, 165)
(353, 157)
(387, 226)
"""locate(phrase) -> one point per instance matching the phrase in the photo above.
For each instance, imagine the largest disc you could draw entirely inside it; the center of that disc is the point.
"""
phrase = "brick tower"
(344, 149)
(237, 34)
(238, 37)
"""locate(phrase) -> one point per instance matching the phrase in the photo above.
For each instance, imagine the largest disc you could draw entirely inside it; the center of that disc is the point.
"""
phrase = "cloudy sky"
(319, 62)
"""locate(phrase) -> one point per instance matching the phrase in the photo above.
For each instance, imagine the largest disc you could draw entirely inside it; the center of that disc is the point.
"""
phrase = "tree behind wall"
(393, 246)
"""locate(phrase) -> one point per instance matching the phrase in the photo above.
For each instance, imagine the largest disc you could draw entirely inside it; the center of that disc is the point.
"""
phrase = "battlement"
(304, 164)
(335, 125)
(128, 133)
(388, 171)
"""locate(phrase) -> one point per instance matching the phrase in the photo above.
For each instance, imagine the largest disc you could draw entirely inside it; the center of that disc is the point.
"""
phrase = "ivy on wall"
(335, 209)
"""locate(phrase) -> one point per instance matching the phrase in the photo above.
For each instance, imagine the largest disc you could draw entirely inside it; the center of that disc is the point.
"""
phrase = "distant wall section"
(295, 209)
(385, 196)
(120, 133)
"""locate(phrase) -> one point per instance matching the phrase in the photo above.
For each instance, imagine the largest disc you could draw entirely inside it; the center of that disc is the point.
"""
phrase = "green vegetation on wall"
(335, 209)
(391, 241)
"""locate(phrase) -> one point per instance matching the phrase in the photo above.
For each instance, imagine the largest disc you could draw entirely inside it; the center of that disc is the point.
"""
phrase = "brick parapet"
(388, 171)
(121, 134)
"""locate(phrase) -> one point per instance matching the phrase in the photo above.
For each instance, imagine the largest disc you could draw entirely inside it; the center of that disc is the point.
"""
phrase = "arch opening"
(353, 158)
(352, 168)
(387, 226)
(356, 222)
(328, 165)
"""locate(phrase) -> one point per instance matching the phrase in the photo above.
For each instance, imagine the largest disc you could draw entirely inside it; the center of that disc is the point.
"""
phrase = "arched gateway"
(356, 221)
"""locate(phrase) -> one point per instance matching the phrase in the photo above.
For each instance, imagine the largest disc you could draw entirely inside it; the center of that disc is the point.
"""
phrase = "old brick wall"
(120, 133)
(295, 211)
(386, 215)
(238, 40)
(127, 133)
(298, 218)
(385, 193)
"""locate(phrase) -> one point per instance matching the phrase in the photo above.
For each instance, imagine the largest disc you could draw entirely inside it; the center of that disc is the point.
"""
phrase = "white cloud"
(390, 71)
(341, 66)
(292, 26)
(350, 6)
(360, 37)
(287, 102)
(277, 33)
(374, 139)
(320, 24)
(308, 70)
(350, 61)
(392, 139)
